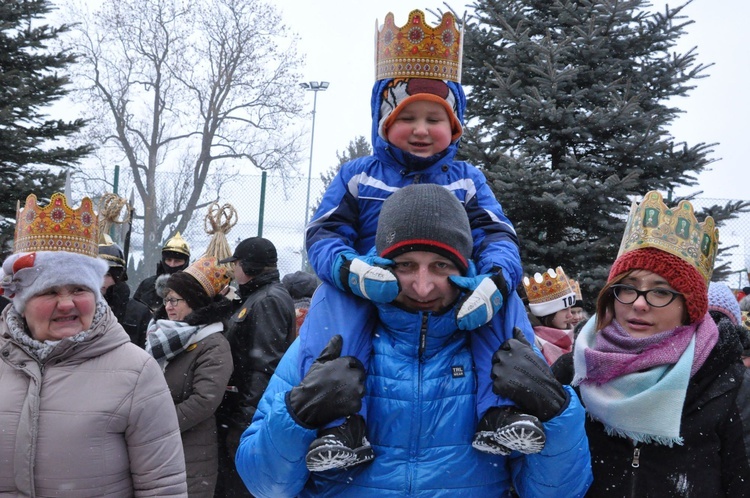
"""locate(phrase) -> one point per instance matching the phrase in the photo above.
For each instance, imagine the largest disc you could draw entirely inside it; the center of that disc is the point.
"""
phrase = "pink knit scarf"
(616, 353)
(553, 342)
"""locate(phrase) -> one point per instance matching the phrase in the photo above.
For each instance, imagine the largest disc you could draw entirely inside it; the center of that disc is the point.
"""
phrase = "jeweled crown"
(212, 276)
(56, 227)
(673, 230)
(416, 50)
(547, 286)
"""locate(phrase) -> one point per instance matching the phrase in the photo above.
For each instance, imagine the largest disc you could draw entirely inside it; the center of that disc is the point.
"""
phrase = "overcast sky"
(337, 37)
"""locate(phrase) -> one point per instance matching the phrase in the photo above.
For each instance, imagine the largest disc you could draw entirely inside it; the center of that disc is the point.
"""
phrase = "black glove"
(519, 374)
(333, 388)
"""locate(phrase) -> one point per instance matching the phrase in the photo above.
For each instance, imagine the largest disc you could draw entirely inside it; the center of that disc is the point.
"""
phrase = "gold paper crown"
(673, 230)
(576, 289)
(212, 276)
(549, 292)
(56, 227)
(417, 50)
(177, 244)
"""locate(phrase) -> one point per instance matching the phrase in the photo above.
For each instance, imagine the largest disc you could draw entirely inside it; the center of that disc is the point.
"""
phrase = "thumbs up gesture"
(332, 388)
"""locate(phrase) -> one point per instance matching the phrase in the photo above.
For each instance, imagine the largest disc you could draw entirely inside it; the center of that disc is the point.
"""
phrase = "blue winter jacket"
(421, 389)
(348, 213)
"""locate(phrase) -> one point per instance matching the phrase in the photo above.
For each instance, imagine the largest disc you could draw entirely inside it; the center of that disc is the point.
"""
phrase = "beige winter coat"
(94, 419)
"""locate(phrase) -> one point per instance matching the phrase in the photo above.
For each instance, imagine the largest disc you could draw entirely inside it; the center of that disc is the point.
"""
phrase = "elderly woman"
(186, 339)
(83, 411)
(665, 390)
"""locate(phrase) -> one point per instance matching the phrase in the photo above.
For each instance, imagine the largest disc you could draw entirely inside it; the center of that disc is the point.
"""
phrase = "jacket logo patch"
(242, 313)
(457, 371)
(191, 347)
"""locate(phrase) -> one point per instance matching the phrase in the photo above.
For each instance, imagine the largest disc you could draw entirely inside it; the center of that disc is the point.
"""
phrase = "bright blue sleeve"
(334, 228)
(271, 455)
(563, 467)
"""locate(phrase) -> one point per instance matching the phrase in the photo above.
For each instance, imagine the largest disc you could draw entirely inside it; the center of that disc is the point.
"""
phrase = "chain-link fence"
(275, 209)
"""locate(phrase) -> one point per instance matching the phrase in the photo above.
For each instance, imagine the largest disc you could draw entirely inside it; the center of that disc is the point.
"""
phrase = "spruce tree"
(29, 82)
(570, 103)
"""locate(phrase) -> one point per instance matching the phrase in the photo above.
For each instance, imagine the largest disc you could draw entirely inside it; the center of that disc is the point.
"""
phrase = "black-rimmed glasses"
(658, 298)
(172, 301)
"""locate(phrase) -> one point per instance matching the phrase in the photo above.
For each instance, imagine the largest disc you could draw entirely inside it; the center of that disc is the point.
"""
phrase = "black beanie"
(424, 217)
(189, 289)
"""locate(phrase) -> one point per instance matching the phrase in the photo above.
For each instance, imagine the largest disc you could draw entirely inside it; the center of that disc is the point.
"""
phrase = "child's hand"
(486, 294)
(370, 278)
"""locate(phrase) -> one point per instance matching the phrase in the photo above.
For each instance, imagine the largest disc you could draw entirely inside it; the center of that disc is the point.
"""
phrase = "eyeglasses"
(658, 298)
(172, 301)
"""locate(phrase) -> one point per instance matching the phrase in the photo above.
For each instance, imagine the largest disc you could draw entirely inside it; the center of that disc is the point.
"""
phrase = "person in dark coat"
(260, 331)
(667, 395)
(175, 256)
(132, 314)
(186, 340)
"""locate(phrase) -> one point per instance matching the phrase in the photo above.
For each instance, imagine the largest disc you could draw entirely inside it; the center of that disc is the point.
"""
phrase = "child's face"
(422, 128)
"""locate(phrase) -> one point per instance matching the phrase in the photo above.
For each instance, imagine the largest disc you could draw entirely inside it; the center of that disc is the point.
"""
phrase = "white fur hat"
(26, 275)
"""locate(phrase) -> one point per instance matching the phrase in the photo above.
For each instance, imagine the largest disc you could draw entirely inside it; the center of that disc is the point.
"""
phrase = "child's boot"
(340, 447)
(503, 429)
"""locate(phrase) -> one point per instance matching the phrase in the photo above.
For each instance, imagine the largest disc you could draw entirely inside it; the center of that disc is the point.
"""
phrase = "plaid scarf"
(166, 339)
(636, 387)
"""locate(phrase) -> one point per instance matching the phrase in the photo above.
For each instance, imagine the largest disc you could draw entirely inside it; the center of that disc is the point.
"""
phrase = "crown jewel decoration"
(212, 276)
(417, 50)
(673, 230)
(549, 292)
(56, 227)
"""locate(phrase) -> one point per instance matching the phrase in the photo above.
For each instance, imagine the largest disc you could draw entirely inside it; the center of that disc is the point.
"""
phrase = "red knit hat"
(680, 274)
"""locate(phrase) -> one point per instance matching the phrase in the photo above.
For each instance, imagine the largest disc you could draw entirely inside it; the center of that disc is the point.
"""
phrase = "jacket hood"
(383, 149)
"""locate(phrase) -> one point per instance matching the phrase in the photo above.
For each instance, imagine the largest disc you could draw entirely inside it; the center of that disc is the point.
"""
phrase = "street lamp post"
(315, 87)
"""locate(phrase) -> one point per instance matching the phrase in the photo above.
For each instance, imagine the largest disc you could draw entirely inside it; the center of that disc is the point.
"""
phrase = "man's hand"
(333, 388)
(486, 294)
(368, 277)
(519, 374)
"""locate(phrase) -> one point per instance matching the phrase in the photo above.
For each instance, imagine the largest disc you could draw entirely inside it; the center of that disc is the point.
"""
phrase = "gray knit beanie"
(425, 217)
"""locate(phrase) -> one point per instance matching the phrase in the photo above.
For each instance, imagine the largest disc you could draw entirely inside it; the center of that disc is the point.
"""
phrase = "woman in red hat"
(664, 387)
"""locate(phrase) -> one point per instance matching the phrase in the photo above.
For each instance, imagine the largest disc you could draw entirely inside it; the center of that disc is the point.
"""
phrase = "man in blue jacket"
(420, 386)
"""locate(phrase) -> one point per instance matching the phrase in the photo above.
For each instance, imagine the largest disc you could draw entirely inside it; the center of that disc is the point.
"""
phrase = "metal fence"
(281, 219)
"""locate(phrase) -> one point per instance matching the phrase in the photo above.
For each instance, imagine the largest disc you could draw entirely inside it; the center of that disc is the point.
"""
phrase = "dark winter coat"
(715, 458)
(197, 378)
(146, 291)
(260, 331)
(133, 315)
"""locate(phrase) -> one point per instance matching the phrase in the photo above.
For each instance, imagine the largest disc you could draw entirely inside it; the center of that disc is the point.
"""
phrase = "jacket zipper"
(635, 463)
(416, 414)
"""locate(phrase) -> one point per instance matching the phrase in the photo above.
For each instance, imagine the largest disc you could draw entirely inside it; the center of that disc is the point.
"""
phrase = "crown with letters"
(549, 292)
(417, 50)
(673, 230)
(56, 227)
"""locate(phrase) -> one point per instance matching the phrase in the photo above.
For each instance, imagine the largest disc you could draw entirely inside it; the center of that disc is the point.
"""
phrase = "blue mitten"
(367, 276)
(486, 294)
